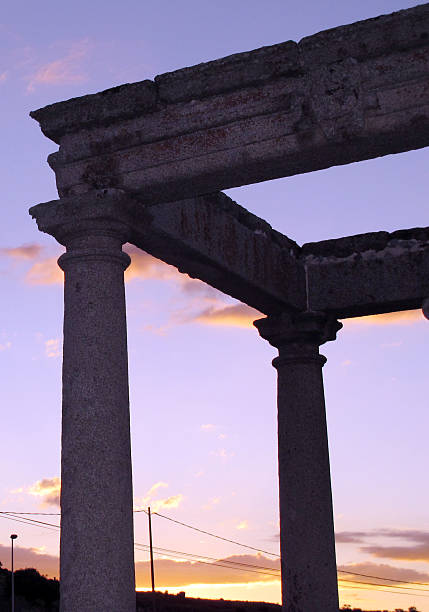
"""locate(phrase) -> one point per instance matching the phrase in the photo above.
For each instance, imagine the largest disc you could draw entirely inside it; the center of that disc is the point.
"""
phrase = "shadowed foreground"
(36, 593)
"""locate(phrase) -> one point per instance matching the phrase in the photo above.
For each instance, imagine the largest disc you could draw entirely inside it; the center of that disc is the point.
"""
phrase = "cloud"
(214, 501)
(382, 570)
(63, 71)
(236, 315)
(242, 525)
(5, 346)
(414, 543)
(144, 266)
(30, 557)
(3, 76)
(222, 453)
(26, 251)
(178, 573)
(403, 317)
(45, 272)
(208, 427)
(53, 347)
(157, 504)
(48, 489)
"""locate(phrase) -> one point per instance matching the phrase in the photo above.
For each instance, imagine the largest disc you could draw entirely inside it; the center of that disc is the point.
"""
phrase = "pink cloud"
(26, 251)
(403, 317)
(63, 71)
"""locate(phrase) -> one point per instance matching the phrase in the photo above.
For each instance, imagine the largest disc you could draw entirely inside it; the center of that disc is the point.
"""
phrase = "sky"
(202, 388)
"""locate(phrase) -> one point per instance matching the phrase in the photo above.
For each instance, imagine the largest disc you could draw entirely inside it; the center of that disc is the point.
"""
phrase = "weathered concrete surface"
(347, 94)
(210, 237)
(309, 571)
(216, 240)
(368, 273)
(97, 544)
(220, 242)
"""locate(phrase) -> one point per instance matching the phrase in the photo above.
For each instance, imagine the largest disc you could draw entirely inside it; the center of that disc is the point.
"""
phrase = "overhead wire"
(21, 517)
(213, 535)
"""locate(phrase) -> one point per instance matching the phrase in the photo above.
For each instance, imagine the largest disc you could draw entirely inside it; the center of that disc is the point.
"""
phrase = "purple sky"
(201, 383)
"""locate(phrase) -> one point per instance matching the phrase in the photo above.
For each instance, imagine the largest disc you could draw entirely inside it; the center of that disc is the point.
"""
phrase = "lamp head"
(13, 536)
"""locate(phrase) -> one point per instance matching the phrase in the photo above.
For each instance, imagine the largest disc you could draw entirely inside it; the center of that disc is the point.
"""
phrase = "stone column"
(97, 550)
(309, 575)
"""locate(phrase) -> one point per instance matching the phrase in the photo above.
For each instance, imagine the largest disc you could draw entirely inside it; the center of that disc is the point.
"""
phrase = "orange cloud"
(403, 317)
(31, 557)
(26, 251)
(178, 573)
(383, 570)
(48, 489)
(157, 504)
(53, 347)
(3, 76)
(145, 266)
(45, 272)
(63, 71)
(236, 315)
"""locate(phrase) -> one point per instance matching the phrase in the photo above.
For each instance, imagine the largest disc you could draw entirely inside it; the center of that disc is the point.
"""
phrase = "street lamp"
(13, 537)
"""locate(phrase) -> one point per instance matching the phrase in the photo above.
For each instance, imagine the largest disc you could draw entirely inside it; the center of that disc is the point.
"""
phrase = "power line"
(380, 578)
(32, 513)
(21, 518)
(216, 536)
(385, 591)
(274, 569)
(212, 564)
(375, 584)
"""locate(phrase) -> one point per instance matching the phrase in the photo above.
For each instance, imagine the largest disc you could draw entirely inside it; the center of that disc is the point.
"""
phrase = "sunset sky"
(202, 387)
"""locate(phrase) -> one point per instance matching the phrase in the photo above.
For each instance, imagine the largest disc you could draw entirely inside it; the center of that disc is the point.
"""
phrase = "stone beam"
(211, 238)
(344, 95)
(368, 273)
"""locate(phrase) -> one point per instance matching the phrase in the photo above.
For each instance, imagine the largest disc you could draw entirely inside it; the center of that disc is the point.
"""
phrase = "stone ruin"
(144, 163)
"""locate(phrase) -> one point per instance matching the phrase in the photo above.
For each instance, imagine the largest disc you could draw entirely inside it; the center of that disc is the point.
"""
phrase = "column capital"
(105, 212)
(298, 336)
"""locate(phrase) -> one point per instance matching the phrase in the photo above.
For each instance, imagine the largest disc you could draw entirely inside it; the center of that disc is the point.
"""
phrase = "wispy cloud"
(178, 573)
(242, 525)
(26, 251)
(31, 557)
(45, 272)
(208, 427)
(236, 315)
(222, 453)
(48, 490)
(403, 317)
(414, 543)
(53, 347)
(5, 346)
(213, 501)
(157, 504)
(383, 570)
(65, 70)
(3, 76)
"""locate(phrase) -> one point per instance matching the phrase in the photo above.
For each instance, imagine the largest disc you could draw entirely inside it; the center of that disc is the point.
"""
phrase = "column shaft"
(97, 557)
(309, 577)
(309, 573)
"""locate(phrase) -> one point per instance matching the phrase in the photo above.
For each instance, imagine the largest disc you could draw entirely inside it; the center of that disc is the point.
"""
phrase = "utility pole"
(152, 573)
(12, 538)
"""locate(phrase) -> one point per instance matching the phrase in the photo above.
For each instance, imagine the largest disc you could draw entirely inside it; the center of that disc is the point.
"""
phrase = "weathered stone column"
(97, 556)
(309, 576)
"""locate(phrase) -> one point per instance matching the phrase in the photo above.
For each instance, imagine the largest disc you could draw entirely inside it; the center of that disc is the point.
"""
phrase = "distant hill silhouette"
(36, 593)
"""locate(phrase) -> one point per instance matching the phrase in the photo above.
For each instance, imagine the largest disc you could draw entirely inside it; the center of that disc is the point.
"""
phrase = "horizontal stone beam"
(340, 96)
(369, 273)
(211, 238)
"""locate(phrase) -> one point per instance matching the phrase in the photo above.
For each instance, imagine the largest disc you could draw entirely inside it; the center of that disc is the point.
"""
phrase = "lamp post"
(13, 537)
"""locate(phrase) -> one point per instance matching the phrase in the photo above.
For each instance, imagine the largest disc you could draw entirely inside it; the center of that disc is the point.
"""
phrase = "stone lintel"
(211, 238)
(344, 95)
(369, 273)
